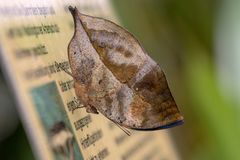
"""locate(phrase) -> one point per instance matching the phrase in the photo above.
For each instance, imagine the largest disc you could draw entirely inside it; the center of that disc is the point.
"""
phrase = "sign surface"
(35, 34)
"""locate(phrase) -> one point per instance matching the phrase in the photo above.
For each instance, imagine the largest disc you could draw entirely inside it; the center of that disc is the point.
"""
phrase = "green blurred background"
(195, 42)
(183, 36)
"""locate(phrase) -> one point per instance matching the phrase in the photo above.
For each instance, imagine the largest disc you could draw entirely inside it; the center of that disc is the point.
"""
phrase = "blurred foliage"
(180, 36)
(16, 146)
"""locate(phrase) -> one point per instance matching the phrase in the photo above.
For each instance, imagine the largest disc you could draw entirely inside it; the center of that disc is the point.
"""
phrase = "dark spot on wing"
(100, 81)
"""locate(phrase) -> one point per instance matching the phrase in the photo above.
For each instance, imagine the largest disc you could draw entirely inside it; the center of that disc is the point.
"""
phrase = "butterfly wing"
(159, 108)
(132, 90)
(118, 49)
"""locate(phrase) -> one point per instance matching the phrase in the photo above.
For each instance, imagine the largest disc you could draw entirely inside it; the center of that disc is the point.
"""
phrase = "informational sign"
(33, 36)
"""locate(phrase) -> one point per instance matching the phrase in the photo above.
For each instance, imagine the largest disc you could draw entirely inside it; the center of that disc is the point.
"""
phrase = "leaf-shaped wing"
(125, 85)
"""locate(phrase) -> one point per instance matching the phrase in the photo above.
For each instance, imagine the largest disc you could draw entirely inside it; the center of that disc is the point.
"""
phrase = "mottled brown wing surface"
(114, 74)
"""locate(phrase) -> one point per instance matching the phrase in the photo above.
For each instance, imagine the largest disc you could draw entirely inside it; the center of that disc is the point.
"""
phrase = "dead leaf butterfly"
(113, 75)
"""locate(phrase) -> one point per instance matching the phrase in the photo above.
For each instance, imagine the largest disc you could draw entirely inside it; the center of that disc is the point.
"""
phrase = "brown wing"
(128, 87)
(154, 103)
(117, 48)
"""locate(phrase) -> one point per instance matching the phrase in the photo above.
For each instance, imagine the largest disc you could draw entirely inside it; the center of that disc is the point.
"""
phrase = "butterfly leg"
(123, 128)
(91, 109)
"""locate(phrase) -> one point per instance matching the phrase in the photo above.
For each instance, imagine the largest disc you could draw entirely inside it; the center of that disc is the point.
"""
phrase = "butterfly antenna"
(66, 71)
(123, 129)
